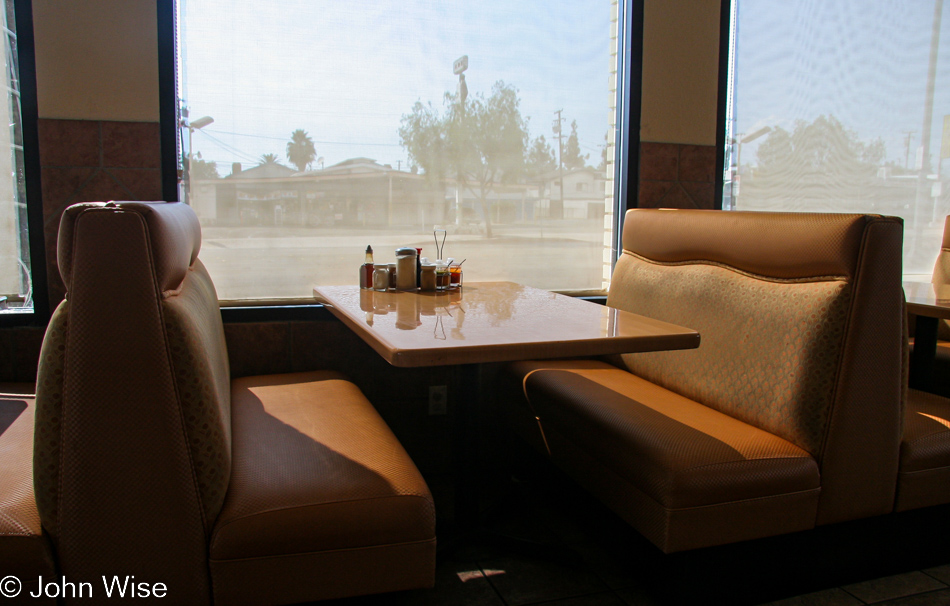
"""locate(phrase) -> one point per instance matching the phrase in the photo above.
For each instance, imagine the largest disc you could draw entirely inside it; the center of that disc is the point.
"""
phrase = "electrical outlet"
(437, 399)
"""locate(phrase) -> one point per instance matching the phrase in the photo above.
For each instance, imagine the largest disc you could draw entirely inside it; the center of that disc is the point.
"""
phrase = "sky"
(863, 61)
(346, 72)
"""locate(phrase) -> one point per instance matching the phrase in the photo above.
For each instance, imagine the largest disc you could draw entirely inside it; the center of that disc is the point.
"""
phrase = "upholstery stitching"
(752, 500)
(848, 336)
(810, 279)
(928, 470)
(305, 553)
(763, 459)
(218, 529)
(171, 368)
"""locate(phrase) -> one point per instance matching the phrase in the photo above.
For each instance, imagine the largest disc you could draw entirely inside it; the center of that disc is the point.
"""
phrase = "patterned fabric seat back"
(132, 456)
(801, 331)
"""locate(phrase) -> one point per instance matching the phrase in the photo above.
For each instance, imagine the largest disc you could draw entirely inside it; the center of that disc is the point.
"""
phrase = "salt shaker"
(406, 268)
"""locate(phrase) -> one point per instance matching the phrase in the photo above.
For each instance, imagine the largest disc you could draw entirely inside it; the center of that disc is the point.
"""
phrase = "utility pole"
(557, 212)
(908, 137)
(923, 191)
(458, 68)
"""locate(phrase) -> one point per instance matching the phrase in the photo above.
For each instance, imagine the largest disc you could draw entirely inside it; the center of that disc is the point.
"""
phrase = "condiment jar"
(427, 277)
(392, 276)
(366, 269)
(441, 275)
(381, 277)
(406, 268)
(455, 275)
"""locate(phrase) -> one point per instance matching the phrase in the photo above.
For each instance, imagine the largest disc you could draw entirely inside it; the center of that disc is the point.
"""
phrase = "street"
(286, 262)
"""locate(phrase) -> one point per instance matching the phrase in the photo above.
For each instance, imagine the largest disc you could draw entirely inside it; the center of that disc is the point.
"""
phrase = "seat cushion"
(677, 451)
(924, 478)
(316, 477)
(24, 550)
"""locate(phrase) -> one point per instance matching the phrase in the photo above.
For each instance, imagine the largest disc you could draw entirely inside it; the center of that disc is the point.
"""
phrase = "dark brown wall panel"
(93, 161)
(674, 175)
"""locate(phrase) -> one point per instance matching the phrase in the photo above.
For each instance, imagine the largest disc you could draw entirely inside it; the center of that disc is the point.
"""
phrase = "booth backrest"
(800, 317)
(134, 362)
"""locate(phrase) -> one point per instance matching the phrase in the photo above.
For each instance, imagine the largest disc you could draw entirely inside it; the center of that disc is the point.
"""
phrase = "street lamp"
(740, 139)
(192, 126)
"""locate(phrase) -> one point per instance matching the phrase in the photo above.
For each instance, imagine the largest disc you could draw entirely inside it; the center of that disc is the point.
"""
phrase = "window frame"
(29, 117)
(725, 23)
(630, 76)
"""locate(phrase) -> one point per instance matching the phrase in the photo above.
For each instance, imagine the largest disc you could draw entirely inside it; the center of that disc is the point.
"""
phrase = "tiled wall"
(93, 161)
(674, 175)
(81, 161)
(19, 352)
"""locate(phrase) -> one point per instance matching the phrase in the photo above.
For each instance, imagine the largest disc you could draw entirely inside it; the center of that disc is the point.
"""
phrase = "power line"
(230, 148)
(322, 142)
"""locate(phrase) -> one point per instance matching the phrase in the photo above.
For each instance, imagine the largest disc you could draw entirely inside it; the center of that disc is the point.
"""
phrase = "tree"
(541, 158)
(198, 169)
(815, 163)
(269, 159)
(481, 143)
(422, 134)
(820, 151)
(300, 150)
(572, 157)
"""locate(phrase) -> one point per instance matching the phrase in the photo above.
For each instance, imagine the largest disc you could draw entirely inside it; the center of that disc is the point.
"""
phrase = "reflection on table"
(493, 322)
(410, 311)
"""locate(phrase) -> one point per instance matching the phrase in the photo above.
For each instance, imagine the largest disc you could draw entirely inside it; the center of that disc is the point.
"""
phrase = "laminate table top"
(493, 322)
(925, 299)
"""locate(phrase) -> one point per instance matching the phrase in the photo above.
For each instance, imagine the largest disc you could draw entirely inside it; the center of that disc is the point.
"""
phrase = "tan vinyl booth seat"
(924, 478)
(150, 461)
(787, 416)
(24, 549)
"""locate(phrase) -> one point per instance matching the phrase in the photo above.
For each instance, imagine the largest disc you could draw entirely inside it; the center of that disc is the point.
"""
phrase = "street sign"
(460, 65)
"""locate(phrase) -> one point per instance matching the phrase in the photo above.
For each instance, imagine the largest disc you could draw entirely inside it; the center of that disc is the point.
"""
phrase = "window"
(842, 107)
(16, 283)
(311, 130)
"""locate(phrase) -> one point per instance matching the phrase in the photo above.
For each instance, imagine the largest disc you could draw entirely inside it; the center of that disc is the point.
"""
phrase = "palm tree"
(300, 150)
(269, 159)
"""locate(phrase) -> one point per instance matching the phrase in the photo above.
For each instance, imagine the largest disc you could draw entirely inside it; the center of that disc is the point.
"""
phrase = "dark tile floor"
(582, 554)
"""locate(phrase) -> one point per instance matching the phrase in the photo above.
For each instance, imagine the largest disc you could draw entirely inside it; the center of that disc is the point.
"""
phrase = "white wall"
(97, 59)
(680, 71)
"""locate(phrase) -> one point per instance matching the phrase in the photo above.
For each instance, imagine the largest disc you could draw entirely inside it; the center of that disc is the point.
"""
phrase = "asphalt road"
(286, 262)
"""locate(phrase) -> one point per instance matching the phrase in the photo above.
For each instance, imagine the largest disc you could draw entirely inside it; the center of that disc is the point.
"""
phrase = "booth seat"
(788, 415)
(150, 461)
(24, 550)
(925, 450)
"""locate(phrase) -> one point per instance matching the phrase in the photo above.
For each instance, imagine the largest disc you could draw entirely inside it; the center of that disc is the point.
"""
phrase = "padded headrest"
(777, 245)
(174, 236)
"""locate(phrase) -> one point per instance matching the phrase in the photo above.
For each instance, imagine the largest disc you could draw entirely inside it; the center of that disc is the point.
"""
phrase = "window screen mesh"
(843, 107)
(16, 289)
(313, 129)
